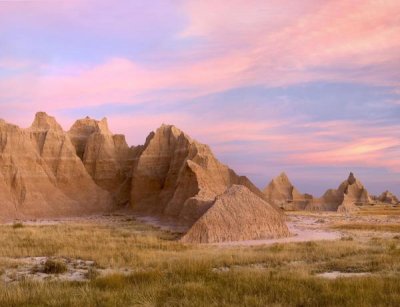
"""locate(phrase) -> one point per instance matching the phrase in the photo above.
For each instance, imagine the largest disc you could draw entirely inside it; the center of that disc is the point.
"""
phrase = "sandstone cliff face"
(350, 194)
(106, 157)
(56, 149)
(281, 192)
(388, 198)
(12, 189)
(178, 177)
(40, 174)
(237, 215)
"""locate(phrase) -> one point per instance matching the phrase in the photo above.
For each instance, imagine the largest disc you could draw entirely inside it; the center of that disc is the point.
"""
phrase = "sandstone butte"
(388, 198)
(350, 194)
(46, 172)
(281, 192)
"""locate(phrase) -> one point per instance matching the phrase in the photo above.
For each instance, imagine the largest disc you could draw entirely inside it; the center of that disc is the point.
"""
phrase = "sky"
(308, 87)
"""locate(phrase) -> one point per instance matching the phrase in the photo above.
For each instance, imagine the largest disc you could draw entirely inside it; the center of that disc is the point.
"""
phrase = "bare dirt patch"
(55, 269)
(337, 274)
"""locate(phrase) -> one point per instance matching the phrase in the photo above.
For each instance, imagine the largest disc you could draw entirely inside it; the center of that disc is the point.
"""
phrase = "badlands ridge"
(47, 172)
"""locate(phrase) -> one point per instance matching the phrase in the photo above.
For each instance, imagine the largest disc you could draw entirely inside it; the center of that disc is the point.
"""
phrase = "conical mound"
(282, 193)
(388, 198)
(237, 215)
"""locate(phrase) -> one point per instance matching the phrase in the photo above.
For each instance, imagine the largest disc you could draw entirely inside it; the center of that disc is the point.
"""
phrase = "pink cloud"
(257, 43)
(342, 34)
(119, 80)
(352, 144)
(340, 143)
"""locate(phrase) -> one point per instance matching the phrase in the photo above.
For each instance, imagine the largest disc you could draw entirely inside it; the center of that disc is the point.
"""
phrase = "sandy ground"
(317, 226)
(303, 228)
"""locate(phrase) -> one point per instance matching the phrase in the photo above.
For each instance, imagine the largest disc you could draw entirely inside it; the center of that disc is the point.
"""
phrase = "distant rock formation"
(389, 198)
(107, 158)
(350, 194)
(41, 176)
(236, 215)
(179, 178)
(281, 192)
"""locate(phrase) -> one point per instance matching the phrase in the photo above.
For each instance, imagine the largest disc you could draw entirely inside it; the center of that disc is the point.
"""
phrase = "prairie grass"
(387, 210)
(369, 227)
(168, 273)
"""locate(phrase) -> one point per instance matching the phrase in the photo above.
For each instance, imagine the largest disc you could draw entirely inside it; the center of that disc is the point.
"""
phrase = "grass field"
(369, 226)
(164, 272)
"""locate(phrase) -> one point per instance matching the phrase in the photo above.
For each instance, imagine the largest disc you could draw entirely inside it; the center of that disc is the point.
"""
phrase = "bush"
(54, 267)
(17, 225)
(346, 238)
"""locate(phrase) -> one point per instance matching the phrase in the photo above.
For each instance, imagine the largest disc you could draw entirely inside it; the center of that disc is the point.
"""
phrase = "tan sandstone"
(177, 177)
(282, 193)
(46, 172)
(41, 176)
(107, 158)
(388, 198)
(350, 194)
(237, 215)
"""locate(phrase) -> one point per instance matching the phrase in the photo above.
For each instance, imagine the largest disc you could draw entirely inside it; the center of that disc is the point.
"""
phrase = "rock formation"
(349, 195)
(236, 215)
(281, 192)
(46, 172)
(388, 198)
(107, 158)
(178, 177)
(41, 176)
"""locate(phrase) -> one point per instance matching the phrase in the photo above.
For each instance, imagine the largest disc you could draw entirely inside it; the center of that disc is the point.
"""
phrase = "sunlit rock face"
(47, 172)
(107, 158)
(41, 175)
(350, 194)
(282, 193)
(176, 176)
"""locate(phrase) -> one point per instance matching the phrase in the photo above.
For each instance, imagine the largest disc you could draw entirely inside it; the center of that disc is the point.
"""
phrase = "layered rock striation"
(107, 158)
(178, 177)
(47, 172)
(237, 215)
(41, 176)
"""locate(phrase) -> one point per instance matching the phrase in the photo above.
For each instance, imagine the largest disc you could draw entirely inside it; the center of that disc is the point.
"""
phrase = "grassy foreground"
(167, 273)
